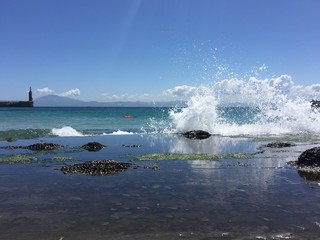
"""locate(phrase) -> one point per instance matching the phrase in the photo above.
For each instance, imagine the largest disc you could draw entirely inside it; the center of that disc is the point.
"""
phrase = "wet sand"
(260, 197)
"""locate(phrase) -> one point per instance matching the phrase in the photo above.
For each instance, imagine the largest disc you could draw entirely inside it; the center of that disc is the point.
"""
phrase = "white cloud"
(183, 91)
(71, 93)
(127, 97)
(248, 91)
(45, 91)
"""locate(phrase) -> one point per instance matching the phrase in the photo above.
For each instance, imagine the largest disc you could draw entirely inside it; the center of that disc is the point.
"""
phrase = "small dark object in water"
(11, 139)
(93, 146)
(97, 168)
(310, 157)
(196, 134)
(279, 145)
(315, 103)
(43, 146)
(131, 146)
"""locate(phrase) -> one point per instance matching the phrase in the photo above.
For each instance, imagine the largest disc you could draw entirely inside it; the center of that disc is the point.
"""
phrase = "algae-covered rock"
(43, 146)
(61, 158)
(97, 168)
(279, 145)
(18, 158)
(93, 146)
(192, 156)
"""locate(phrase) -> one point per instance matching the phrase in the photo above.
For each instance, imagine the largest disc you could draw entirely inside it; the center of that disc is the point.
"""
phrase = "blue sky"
(110, 50)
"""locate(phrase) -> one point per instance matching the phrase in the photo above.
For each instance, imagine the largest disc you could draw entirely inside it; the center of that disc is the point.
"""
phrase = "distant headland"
(18, 103)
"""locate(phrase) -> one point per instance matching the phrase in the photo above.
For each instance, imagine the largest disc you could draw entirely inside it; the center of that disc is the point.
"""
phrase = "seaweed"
(183, 156)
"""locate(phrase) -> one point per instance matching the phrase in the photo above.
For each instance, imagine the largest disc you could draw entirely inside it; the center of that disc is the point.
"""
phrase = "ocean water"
(28, 123)
(253, 107)
(248, 192)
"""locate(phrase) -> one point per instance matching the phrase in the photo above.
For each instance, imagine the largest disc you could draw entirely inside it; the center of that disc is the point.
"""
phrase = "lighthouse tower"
(30, 95)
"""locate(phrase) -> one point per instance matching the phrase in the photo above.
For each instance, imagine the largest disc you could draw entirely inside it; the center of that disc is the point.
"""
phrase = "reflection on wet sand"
(252, 198)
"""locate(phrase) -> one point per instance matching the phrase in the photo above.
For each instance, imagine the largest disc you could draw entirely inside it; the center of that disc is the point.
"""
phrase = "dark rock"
(196, 134)
(310, 175)
(11, 139)
(315, 103)
(310, 157)
(97, 168)
(93, 146)
(279, 145)
(43, 146)
(11, 147)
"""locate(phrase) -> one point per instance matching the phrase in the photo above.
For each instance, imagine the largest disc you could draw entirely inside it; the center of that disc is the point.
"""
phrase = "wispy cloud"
(45, 91)
(126, 97)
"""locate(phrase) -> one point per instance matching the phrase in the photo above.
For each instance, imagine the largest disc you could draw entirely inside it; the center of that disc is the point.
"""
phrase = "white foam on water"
(66, 131)
(284, 107)
(120, 132)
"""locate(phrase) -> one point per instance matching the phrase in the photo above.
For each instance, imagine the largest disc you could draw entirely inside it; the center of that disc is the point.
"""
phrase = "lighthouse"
(30, 95)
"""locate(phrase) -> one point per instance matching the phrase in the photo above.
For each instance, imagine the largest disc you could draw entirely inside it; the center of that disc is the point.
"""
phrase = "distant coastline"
(58, 101)
(28, 103)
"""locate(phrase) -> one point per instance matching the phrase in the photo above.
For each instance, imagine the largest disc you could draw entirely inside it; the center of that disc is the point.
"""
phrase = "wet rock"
(310, 157)
(97, 168)
(11, 147)
(43, 146)
(315, 103)
(93, 146)
(196, 134)
(153, 167)
(279, 145)
(310, 175)
(308, 164)
(10, 139)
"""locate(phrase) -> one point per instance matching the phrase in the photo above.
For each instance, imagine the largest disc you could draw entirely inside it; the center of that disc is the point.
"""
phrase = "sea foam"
(283, 108)
(66, 132)
(120, 132)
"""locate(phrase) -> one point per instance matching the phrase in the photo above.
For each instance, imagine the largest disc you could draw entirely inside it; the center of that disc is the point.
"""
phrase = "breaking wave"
(66, 132)
(251, 107)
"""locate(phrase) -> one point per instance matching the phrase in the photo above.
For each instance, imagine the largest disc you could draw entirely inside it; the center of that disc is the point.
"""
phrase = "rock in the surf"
(308, 164)
(93, 146)
(43, 146)
(279, 145)
(97, 168)
(310, 157)
(196, 134)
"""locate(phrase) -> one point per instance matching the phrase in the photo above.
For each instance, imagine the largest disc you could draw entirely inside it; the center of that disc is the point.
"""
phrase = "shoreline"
(189, 199)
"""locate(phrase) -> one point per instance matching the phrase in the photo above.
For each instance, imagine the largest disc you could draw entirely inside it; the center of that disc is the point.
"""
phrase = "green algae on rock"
(61, 158)
(18, 158)
(183, 156)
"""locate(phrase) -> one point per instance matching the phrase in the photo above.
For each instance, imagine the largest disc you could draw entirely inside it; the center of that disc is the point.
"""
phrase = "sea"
(228, 186)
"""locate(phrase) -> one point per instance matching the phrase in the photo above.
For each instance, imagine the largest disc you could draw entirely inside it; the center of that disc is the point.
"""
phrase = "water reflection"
(233, 198)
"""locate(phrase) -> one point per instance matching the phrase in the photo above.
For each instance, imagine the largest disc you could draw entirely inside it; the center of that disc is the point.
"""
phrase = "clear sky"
(109, 50)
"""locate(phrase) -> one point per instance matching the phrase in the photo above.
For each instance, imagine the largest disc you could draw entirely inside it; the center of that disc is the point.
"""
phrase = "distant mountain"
(57, 101)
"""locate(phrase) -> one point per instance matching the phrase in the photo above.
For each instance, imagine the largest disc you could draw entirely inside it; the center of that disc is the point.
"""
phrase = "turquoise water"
(258, 196)
(59, 121)
(28, 123)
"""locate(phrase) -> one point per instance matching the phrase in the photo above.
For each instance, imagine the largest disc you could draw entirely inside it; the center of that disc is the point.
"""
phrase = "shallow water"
(259, 197)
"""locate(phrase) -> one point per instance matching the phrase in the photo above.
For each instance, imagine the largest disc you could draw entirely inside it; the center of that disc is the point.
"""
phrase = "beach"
(252, 195)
